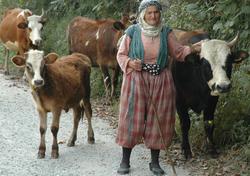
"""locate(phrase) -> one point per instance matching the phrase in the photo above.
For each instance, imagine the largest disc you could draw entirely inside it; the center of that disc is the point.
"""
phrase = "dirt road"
(19, 134)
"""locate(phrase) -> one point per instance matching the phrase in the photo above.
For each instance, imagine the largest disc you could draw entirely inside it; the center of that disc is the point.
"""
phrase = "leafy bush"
(233, 115)
(221, 18)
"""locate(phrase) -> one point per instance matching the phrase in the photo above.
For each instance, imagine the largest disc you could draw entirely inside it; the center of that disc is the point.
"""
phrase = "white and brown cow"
(98, 40)
(20, 30)
(58, 84)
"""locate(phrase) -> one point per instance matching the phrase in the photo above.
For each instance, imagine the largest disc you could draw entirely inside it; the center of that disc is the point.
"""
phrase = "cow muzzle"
(37, 42)
(38, 83)
(220, 88)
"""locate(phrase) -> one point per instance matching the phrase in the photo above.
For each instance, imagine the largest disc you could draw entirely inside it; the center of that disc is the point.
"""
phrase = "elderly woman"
(147, 102)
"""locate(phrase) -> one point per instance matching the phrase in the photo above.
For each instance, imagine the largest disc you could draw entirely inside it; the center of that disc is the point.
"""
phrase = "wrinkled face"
(35, 26)
(34, 67)
(217, 65)
(152, 16)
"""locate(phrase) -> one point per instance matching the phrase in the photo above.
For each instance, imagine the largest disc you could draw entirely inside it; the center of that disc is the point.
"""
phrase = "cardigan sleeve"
(122, 54)
(176, 50)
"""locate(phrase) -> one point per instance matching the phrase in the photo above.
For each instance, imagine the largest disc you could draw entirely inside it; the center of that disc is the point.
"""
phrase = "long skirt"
(147, 110)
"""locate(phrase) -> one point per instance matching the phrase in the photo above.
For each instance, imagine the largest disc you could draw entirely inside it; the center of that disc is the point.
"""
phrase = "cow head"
(34, 62)
(218, 57)
(34, 24)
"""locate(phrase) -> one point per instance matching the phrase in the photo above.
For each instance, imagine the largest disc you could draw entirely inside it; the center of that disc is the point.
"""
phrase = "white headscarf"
(148, 30)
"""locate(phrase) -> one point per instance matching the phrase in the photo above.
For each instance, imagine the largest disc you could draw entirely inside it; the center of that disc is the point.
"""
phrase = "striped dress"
(145, 97)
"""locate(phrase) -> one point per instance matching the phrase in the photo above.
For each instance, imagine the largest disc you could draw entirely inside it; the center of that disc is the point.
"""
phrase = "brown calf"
(58, 85)
(98, 40)
(19, 31)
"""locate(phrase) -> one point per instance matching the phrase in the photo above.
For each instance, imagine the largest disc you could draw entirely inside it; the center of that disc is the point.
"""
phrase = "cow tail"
(69, 39)
(82, 109)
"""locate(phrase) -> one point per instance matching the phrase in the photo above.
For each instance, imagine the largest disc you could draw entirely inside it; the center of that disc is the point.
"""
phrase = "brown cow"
(98, 40)
(56, 86)
(19, 31)
(186, 37)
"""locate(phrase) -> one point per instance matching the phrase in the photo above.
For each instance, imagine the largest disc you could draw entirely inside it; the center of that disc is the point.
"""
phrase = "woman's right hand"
(135, 64)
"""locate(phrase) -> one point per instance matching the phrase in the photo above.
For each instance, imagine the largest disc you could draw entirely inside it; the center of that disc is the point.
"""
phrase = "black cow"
(200, 80)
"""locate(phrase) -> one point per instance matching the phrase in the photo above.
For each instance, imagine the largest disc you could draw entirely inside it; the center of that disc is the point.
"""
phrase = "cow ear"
(22, 25)
(118, 25)
(18, 61)
(51, 58)
(239, 56)
(43, 20)
(193, 59)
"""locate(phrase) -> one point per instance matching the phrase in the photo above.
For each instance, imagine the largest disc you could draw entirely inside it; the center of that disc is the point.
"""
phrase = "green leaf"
(231, 9)
(229, 24)
(218, 26)
(202, 15)
(192, 7)
(245, 9)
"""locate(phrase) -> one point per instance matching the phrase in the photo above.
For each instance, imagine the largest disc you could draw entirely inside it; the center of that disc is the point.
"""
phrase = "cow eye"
(207, 70)
(224, 68)
(28, 67)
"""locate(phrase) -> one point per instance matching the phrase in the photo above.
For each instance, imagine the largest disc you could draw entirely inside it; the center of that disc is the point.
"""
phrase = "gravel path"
(19, 134)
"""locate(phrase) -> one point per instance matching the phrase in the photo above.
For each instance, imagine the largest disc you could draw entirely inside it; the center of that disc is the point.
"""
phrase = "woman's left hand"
(135, 64)
(196, 48)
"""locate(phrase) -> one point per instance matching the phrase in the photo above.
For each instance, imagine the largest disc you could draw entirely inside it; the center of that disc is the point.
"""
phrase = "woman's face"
(152, 16)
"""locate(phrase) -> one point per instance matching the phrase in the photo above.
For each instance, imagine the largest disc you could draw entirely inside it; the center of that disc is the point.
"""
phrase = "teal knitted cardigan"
(136, 49)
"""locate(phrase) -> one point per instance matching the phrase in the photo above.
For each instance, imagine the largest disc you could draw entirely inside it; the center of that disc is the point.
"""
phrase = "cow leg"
(43, 128)
(115, 75)
(185, 126)
(6, 62)
(54, 129)
(107, 81)
(76, 118)
(88, 112)
(209, 125)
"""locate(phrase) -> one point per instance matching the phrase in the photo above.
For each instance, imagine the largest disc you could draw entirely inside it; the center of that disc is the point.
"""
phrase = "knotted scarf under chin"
(148, 30)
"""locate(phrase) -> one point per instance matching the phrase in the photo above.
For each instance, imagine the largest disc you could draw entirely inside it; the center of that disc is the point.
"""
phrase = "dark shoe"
(156, 169)
(123, 169)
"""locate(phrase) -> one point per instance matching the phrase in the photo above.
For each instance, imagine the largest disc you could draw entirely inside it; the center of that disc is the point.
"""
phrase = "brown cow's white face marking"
(97, 34)
(34, 63)
(216, 53)
(87, 43)
(34, 66)
(34, 24)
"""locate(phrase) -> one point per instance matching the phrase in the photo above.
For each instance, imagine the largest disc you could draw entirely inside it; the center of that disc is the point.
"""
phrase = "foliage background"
(221, 18)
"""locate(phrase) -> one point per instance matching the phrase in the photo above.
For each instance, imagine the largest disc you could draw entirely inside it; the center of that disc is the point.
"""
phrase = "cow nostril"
(38, 82)
(38, 42)
(223, 87)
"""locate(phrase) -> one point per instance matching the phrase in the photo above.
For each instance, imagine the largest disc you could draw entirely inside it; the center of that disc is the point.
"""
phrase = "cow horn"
(42, 13)
(233, 42)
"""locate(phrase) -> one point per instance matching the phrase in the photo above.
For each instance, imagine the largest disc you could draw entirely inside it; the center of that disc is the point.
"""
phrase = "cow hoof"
(107, 103)
(41, 155)
(187, 154)
(91, 140)
(6, 73)
(210, 150)
(214, 154)
(71, 144)
(54, 155)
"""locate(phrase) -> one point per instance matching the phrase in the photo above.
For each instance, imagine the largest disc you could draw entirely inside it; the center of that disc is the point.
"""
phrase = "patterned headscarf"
(148, 30)
(145, 3)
